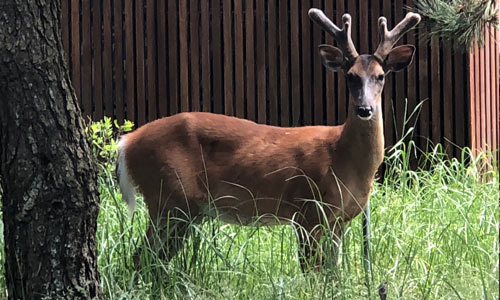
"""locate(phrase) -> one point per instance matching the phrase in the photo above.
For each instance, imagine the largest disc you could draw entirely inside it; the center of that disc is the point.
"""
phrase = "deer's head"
(365, 73)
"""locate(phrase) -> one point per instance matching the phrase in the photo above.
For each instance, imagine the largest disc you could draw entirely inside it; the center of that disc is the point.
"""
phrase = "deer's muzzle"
(364, 112)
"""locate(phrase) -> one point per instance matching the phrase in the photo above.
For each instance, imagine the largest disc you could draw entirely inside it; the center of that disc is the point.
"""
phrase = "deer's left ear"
(399, 58)
(332, 57)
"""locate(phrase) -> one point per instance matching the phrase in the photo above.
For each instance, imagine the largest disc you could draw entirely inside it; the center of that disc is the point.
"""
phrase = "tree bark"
(47, 173)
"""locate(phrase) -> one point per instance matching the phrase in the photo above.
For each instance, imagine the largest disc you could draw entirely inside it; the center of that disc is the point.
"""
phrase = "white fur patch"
(126, 186)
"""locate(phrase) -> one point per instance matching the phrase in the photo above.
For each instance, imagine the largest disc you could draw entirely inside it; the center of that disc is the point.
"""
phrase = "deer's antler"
(343, 37)
(389, 38)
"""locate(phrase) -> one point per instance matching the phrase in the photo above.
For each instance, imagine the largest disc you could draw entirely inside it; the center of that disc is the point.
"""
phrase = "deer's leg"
(310, 252)
(167, 231)
(173, 236)
(311, 246)
(336, 242)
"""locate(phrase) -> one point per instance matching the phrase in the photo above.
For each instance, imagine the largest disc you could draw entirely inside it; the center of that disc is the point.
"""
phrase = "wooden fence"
(258, 59)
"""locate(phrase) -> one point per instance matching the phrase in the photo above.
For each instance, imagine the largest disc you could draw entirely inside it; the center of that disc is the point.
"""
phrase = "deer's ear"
(332, 57)
(399, 58)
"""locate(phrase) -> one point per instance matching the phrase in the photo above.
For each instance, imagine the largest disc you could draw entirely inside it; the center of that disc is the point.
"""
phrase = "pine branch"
(463, 21)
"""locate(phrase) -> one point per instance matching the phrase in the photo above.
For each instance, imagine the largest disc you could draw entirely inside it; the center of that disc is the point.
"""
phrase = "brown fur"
(175, 156)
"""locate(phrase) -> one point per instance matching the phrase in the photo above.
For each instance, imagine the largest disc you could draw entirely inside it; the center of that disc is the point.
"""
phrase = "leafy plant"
(103, 136)
(463, 21)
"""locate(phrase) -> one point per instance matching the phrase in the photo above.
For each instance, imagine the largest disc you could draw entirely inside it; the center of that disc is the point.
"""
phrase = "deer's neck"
(362, 141)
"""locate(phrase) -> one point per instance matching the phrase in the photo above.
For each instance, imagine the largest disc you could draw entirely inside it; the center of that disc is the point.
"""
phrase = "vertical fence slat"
(272, 87)
(317, 79)
(151, 62)
(331, 111)
(194, 17)
(239, 75)
(477, 110)
(447, 99)
(218, 97)
(491, 93)
(423, 80)
(364, 30)
(375, 14)
(284, 53)
(436, 91)
(494, 99)
(96, 61)
(107, 62)
(480, 99)
(495, 109)
(412, 82)
(459, 98)
(250, 55)
(472, 92)
(129, 61)
(118, 60)
(139, 63)
(162, 51)
(86, 60)
(228, 58)
(482, 92)
(475, 99)
(260, 35)
(306, 66)
(75, 48)
(173, 57)
(487, 86)
(494, 89)
(474, 95)
(295, 61)
(205, 55)
(183, 53)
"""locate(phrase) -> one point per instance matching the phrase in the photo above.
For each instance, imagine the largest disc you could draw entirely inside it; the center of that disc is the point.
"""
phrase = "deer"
(194, 165)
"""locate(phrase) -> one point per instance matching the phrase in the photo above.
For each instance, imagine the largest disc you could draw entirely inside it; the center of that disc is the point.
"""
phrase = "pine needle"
(463, 21)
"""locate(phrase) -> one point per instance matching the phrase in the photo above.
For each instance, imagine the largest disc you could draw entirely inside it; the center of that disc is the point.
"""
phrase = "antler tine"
(389, 38)
(343, 37)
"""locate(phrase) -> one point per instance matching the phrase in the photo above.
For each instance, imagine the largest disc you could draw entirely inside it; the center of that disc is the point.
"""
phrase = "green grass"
(434, 236)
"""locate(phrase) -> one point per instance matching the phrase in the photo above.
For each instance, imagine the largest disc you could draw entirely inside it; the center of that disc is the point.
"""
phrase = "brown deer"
(197, 164)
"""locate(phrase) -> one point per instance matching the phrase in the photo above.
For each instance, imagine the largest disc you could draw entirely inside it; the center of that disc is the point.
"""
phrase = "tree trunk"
(48, 176)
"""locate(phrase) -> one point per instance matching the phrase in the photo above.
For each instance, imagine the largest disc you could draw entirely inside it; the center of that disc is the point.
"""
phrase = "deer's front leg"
(310, 252)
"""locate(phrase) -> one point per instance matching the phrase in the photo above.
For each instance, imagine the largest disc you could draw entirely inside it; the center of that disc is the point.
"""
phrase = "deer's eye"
(353, 77)
(380, 77)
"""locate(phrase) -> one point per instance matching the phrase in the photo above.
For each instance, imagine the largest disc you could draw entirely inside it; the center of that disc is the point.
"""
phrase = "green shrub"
(103, 137)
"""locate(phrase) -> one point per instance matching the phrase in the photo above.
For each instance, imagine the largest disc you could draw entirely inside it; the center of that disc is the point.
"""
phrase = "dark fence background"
(258, 59)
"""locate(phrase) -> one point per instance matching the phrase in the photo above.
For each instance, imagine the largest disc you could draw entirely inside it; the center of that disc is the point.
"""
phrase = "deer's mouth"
(364, 112)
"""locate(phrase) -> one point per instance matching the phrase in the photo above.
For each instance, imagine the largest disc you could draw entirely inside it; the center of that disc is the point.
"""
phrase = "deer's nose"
(364, 112)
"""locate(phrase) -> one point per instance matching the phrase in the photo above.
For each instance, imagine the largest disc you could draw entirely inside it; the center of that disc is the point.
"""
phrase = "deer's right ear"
(399, 58)
(332, 57)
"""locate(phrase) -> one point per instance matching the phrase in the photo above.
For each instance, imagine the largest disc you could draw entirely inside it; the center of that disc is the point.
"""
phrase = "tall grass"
(434, 236)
